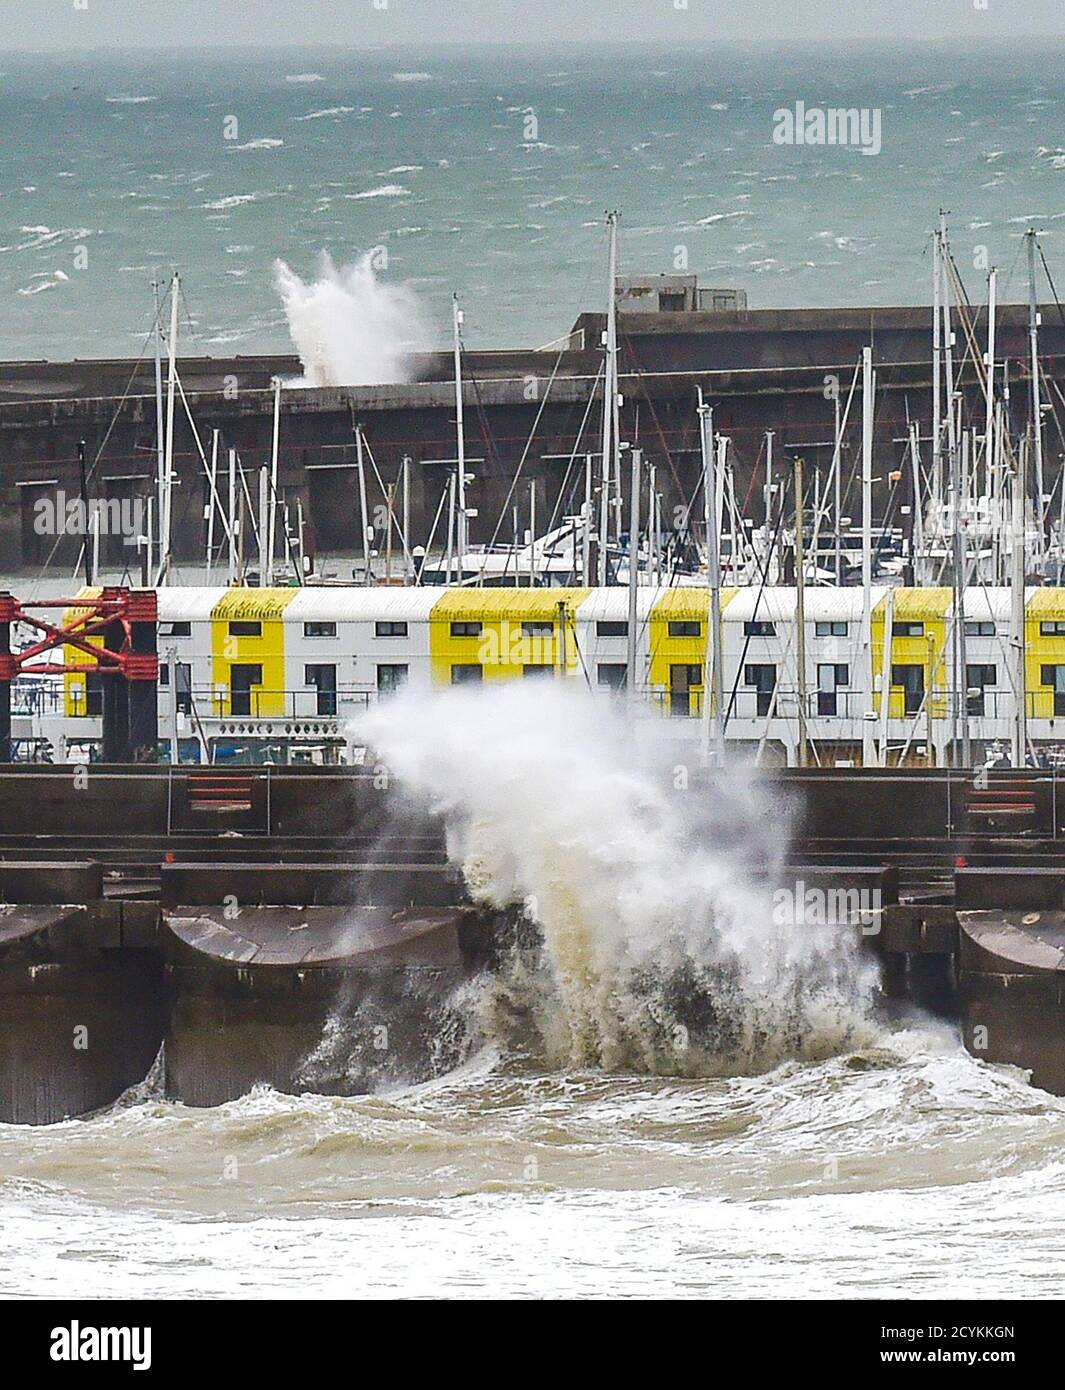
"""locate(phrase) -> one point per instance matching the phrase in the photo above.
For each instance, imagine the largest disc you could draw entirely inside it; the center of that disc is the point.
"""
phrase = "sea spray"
(649, 889)
(349, 327)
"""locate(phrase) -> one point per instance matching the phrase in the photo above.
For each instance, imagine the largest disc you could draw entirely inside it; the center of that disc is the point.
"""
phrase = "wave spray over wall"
(660, 949)
(349, 327)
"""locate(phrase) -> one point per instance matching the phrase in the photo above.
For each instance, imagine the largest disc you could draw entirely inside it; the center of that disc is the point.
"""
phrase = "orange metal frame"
(91, 618)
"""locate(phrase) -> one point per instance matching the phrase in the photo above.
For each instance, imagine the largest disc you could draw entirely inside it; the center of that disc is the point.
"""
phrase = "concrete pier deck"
(317, 946)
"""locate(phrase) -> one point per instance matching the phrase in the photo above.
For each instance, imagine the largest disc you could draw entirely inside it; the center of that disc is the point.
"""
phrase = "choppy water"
(900, 1166)
(425, 153)
(903, 1169)
(796, 1144)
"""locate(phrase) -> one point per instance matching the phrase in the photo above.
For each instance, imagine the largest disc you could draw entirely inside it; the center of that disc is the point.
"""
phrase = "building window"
(611, 629)
(613, 675)
(319, 629)
(391, 678)
(537, 669)
(175, 629)
(977, 680)
(1052, 629)
(907, 629)
(764, 680)
(759, 629)
(832, 629)
(536, 628)
(981, 629)
(685, 629)
(324, 679)
(243, 629)
(911, 680)
(1054, 676)
(466, 675)
(390, 629)
(466, 630)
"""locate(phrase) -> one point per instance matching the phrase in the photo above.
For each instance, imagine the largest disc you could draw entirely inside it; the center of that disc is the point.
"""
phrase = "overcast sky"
(31, 24)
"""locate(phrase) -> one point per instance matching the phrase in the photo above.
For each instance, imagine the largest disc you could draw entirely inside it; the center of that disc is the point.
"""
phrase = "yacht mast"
(868, 398)
(460, 432)
(1037, 407)
(713, 676)
(168, 461)
(610, 392)
(937, 373)
(271, 529)
(160, 428)
(1017, 634)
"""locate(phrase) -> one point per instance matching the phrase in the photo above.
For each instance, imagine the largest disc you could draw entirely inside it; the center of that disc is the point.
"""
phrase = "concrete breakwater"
(257, 936)
(526, 411)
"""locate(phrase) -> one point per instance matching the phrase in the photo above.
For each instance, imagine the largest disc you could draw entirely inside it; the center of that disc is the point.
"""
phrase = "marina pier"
(226, 917)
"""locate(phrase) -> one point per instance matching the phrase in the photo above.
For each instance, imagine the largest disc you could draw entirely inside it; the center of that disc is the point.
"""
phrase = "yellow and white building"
(279, 674)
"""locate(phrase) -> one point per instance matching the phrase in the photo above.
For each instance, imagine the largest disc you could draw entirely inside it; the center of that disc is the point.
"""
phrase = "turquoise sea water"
(425, 153)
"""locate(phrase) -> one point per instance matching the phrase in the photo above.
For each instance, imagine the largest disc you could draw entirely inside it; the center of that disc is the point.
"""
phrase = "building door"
(763, 677)
(978, 679)
(685, 682)
(911, 678)
(324, 679)
(831, 678)
(1054, 676)
(183, 671)
(242, 679)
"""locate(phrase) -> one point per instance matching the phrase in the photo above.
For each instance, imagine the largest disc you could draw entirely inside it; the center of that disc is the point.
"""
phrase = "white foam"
(645, 892)
(349, 328)
(266, 143)
(326, 111)
(388, 190)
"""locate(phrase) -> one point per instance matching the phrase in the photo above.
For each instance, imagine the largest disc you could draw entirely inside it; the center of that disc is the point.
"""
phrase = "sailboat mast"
(364, 518)
(168, 462)
(1017, 634)
(1037, 407)
(234, 520)
(160, 427)
(460, 434)
(271, 529)
(800, 611)
(990, 461)
(713, 677)
(937, 372)
(610, 392)
(868, 398)
(634, 577)
(212, 502)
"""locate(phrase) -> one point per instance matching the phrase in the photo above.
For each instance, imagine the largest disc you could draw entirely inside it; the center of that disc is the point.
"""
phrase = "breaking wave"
(646, 940)
(350, 328)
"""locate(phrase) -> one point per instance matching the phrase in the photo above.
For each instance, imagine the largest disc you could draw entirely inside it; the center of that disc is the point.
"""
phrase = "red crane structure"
(127, 658)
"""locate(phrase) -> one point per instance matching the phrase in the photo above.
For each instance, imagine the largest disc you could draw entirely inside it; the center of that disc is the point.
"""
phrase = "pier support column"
(8, 672)
(143, 678)
(933, 984)
(115, 698)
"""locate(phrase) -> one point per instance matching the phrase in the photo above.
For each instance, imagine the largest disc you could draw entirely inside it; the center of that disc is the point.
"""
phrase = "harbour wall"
(530, 418)
(302, 928)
